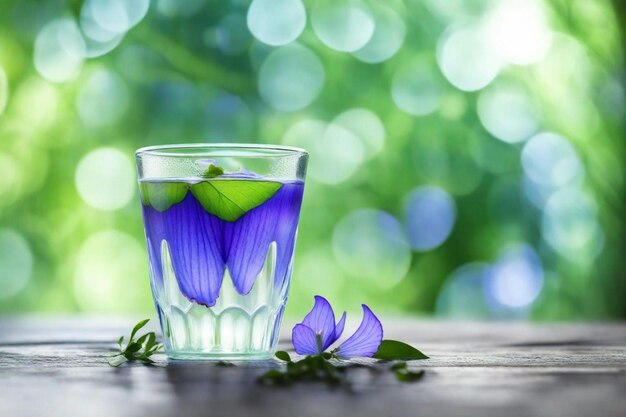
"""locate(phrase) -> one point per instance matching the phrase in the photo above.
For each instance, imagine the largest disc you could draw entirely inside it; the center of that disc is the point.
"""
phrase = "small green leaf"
(150, 342)
(162, 195)
(146, 360)
(117, 360)
(390, 350)
(142, 339)
(213, 171)
(137, 327)
(231, 199)
(132, 352)
(155, 348)
(408, 376)
(133, 347)
(283, 356)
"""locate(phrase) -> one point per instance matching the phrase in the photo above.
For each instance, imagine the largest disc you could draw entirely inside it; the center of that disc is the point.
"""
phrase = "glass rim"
(243, 150)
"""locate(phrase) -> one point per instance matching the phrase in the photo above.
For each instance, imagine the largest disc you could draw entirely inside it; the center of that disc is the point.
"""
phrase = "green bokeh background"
(190, 73)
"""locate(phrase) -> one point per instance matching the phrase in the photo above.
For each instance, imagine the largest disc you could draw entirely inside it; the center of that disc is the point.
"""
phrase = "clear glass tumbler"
(220, 223)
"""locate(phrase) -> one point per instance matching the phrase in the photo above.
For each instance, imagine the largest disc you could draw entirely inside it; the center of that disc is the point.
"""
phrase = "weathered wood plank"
(56, 368)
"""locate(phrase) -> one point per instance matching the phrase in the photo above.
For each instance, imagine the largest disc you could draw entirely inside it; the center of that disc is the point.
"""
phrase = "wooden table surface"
(55, 367)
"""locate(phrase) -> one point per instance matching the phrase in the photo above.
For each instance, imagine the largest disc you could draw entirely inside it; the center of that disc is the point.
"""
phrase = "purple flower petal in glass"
(285, 234)
(154, 236)
(156, 267)
(247, 241)
(366, 340)
(194, 238)
(304, 340)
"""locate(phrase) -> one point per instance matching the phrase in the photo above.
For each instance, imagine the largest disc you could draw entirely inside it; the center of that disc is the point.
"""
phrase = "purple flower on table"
(318, 331)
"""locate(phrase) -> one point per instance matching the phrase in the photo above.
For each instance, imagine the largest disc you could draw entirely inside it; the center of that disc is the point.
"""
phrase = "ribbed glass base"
(238, 327)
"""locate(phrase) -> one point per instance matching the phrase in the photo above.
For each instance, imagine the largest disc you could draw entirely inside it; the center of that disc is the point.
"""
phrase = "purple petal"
(367, 338)
(247, 241)
(321, 319)
(194, 238)
(290, 200)
(339, 327)
(155, 233)
(154, 256)
(304, 340)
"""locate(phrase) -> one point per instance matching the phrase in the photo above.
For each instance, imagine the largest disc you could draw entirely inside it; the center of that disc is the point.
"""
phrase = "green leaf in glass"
(213, 171)
(162, 195)
(231, 199)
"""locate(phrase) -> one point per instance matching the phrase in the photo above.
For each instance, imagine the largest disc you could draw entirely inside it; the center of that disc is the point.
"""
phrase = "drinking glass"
(220, 222)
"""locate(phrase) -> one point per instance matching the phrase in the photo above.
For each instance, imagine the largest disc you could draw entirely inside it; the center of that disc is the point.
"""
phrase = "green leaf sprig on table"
(136, 350)
(330, 369)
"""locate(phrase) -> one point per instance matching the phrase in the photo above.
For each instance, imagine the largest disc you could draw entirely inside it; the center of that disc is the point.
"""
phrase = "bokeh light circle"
(549, 159)
(516, 278)
(387, 39)
(345, 26)
(291, 78)
(103, 99)
(117, 16)
(462, 295)
(430, 215)
(36, 102)
(570, 225)
(59, 51)
(518, 31)
(507, 113)
(371, 246)
(335, 152)
(466, 58)
(105, 179)
(16, 263)
(416, 90)
(367, 126)
(110, 273)
(276, 22)
(98, 40)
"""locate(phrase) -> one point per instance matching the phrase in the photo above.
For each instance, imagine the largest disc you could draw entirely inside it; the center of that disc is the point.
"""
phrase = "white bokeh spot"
(336, 152)
(276, 22)
(507, 113)
(291, 77)
(416, 90)
(387, 39)
(103, 99)
(466, 57)
(345, 26)
(59, 51)
(367, 126)
(370, 245)
(105, 179)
